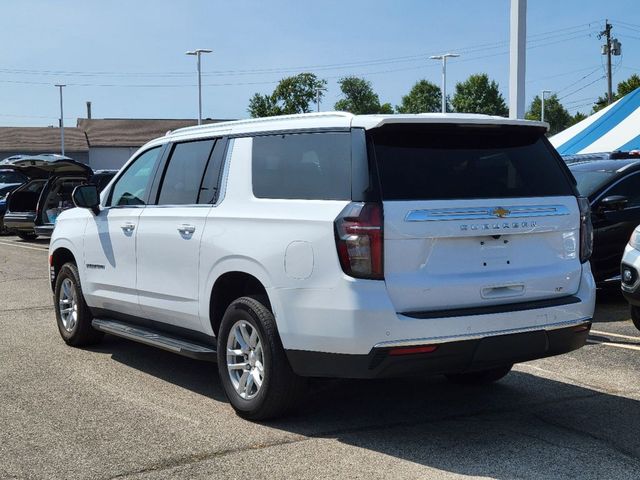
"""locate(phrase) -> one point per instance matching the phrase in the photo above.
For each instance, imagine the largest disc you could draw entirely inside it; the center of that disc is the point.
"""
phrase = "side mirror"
(86, 196)
(613, 203)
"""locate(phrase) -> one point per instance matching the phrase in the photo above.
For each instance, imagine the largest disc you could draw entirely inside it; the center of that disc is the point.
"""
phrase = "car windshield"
(9, 176)
(591, 180)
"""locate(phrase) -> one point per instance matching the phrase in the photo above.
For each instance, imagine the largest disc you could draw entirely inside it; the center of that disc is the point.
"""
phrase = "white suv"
(333, 245)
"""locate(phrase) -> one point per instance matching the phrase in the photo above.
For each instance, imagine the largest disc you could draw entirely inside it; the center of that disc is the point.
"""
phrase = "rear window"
(312, 166)
(435, 162)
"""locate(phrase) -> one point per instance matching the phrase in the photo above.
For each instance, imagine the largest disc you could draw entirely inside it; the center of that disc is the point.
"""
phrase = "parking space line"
(613, 344)
(618, 335)
(29, 247)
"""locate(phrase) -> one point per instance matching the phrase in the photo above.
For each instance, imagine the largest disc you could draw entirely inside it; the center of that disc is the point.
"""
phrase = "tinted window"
(8, 176)
(132, 187)
(305, 166)
(429, 162)
(628, 187)
(211, 180)
(588, 181)
(183, 175)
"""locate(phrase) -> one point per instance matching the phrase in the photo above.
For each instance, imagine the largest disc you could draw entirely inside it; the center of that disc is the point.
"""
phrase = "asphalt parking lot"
(123, 410)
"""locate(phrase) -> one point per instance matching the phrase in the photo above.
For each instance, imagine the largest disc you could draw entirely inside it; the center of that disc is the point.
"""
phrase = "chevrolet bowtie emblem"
(500, 212)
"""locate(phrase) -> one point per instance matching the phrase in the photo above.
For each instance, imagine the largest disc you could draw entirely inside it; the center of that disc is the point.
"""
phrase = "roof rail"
(254, 121)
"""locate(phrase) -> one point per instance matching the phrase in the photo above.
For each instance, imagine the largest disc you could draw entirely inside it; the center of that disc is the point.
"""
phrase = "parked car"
(613, 189)
(630, 275)
(33, 208)
(9, 181)
(333, 245)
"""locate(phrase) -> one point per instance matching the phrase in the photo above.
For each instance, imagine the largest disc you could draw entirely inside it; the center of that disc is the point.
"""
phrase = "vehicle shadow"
(525, 426)
(34, 241)
(611, 306)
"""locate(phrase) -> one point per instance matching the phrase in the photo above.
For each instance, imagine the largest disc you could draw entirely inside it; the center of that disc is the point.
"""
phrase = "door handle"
(128, 227)
(186, 229)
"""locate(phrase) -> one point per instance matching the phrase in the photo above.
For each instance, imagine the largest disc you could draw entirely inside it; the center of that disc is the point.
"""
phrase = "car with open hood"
(32, 209)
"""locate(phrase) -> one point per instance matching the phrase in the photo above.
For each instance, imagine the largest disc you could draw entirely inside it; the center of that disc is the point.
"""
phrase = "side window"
(628, 187)
(313, 166)
(211, 180)
(183, 176)
(133, 186)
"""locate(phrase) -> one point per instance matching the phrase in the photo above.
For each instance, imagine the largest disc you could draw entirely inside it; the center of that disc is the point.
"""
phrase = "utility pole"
(612, 47)
(517, 57)
(318, 90)
(61, 119)
(542, 105)
(444, 76)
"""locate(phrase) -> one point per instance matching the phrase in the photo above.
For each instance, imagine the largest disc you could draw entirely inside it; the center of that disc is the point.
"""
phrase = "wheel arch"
(230, 286)
(57, 259)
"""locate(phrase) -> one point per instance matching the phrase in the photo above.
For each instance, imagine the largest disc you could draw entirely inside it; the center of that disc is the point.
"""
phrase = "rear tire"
(254, 370)
(26, 235)
(481, 377)
(72, 314)
(635, 316)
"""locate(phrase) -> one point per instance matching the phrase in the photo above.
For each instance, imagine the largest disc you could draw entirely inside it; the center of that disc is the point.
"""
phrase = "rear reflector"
(413, 350)
(581, 328)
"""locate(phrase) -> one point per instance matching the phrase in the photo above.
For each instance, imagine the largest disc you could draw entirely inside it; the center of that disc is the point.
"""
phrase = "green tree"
(291, 95)
(554, 113)
(477, 94)
(424, 97)
(624, 87)
(359, 97)
(577, 117)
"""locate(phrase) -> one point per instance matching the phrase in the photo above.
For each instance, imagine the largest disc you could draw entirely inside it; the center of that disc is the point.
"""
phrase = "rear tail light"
(586, 229)
(359, 240)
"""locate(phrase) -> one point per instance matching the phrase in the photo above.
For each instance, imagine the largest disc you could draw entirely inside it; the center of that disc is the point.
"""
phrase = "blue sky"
(127, 57)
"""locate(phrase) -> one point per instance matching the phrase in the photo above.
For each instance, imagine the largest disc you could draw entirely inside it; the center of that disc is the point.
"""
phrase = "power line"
(534, 38)
(582, 88)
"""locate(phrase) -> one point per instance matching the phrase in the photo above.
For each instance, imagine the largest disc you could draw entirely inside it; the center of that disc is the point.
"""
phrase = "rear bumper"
(44, 230)
(449, 357)
(357, 316)
(20, 221)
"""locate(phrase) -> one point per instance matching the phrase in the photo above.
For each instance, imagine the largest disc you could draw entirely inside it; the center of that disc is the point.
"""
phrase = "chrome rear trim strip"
(486, 213)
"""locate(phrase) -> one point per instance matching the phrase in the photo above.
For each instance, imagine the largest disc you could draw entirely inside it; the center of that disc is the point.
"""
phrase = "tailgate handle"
(503, 291)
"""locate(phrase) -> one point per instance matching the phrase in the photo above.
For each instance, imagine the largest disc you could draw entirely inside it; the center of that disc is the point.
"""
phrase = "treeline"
(477, 94)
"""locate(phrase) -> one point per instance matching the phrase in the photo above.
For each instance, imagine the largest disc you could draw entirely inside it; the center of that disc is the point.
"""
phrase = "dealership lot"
(124, 410)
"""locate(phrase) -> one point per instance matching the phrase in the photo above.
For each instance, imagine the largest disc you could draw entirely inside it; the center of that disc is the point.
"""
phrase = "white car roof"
(332, 120)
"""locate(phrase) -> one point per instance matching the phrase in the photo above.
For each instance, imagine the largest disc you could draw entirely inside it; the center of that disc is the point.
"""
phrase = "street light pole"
(444, 76)
(542, 106)
(61, 120)
(197, 53)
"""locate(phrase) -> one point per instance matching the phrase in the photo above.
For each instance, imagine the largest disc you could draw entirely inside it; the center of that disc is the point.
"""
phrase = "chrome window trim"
(485, 213)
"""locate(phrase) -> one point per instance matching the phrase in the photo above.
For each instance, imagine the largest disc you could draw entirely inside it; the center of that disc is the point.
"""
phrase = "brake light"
(359, 240)
(586, 229)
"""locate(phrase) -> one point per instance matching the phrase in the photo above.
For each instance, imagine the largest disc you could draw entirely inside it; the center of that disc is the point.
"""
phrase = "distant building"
(98, 142)
(37, 140)
(113, 140)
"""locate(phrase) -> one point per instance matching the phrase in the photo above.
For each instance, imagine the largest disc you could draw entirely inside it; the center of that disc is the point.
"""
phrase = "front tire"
(254, 370)
(72, 314)
(635, 316)
(481, 377)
